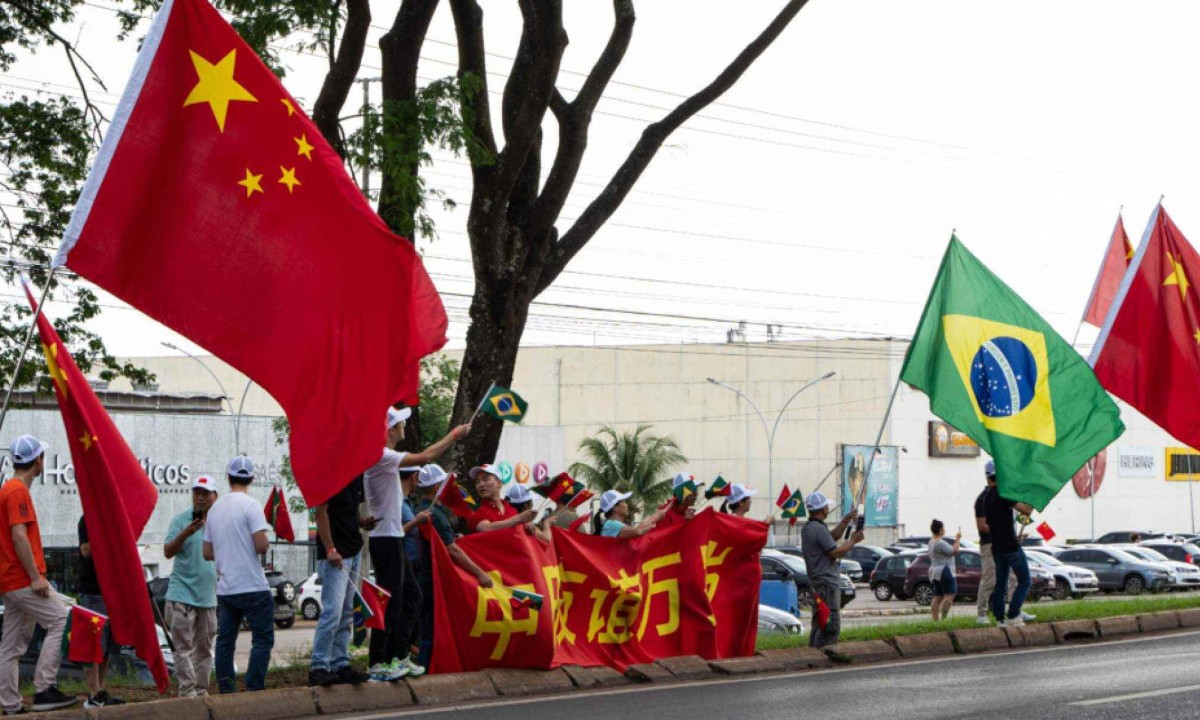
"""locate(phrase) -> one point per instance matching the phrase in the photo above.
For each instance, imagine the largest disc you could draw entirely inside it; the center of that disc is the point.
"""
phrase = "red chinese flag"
(1045, 531)
(784, 496)
(216, 207)
(84, 636)
(560, 486)
(1148, 353)
(580, 498)
(820, 612)
(115, 494)
(277, 515)
(376, 599)
(1112, 270)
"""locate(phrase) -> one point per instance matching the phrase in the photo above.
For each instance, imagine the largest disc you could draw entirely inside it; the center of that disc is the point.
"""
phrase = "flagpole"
(871, 461)
(25, 347)
(479, 408)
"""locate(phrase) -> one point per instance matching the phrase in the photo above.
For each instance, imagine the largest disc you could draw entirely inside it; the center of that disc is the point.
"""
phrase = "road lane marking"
(1137, 696)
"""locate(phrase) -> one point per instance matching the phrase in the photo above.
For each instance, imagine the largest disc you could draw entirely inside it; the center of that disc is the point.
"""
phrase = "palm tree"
(638, 462)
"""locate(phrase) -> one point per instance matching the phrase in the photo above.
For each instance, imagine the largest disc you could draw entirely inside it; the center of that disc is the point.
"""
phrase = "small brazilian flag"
(995, 370)
(793, 507)
(504, 404)
(362, 614)
(719, 488)
(526, 599)
(685, 490)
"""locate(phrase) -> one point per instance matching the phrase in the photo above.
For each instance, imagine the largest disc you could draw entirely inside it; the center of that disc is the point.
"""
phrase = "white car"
(308, 597)
(1069, 580)
(1185, 576)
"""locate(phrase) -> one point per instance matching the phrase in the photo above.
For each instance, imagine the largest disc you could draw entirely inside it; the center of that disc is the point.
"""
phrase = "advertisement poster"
(883, 493)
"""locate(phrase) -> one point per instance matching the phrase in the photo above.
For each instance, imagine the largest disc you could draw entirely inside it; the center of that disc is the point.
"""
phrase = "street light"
(237, 417)
(771, 433)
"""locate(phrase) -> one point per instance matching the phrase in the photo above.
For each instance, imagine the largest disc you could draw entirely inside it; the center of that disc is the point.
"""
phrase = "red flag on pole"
(277, 515)
(83, 636)
(456, 498)
(216, 207)
(376, 598)
(1045, 531)
(784, 496)
(114, 490)
(1156, 314)
(1117, 256)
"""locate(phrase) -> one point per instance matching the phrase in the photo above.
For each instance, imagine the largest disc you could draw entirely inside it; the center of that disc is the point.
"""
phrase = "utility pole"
(368, 141)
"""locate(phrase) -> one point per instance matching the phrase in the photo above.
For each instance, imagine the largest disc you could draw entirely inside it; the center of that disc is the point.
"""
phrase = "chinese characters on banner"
(691, 588)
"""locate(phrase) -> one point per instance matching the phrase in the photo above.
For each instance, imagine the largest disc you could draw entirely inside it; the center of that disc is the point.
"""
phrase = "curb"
(594, 677)
(686, 667)
(746, 665)
(194, 708)
(367, 697)
(266, 705)
(1154, 622)
(1071, 630)
(978, 640)
(451, 688)
(516, 683)
(862, 652)
(934, 644)
(799, 658)
(1118, 626)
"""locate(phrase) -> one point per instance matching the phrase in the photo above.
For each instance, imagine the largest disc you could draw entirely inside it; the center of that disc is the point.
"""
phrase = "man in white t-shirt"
(389, 652)
(235, 535)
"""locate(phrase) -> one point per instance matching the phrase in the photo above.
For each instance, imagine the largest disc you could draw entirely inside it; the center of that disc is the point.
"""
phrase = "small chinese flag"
(784, 495)
(83, 636)
(277, 515)
(1045, 531)
(580, 498)
(376, 600)
(456, 498)
(820, 612)
(1112, 271)
(578, 523)
(554, 490)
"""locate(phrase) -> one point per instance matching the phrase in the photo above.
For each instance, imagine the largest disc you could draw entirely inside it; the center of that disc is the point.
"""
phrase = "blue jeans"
(258, 609)
(1019, 565)
(331, 643)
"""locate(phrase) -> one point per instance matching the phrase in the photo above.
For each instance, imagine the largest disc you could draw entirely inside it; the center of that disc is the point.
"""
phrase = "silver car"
(1118, 570)
(1069, 580)
(1187, 575)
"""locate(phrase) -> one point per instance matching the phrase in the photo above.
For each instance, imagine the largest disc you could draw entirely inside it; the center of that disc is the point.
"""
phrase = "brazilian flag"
(504, 404)
(794, 507)
(994, 369)
(719, 488)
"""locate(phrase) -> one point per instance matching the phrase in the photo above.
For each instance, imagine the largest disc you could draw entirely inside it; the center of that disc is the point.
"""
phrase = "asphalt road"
(1148, 677)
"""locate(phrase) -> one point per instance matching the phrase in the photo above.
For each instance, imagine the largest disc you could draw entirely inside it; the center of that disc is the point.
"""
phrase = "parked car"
(1047, 550)
(1118, 570)
(1125, 537)
(308, 597)
(867, 556)
(773, 620)
(1033, 542)
(777, 562)
(1069, 580)
(968, 569)
(284, 594)
(1186, 575)
(846, 566)
(1178, 551)
(887, 579)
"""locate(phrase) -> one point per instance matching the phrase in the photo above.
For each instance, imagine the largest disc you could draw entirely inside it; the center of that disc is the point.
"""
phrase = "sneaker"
(393, 671)
(983, 620)
(320, 677)
(51, 699)
(414, 670)
(349, 676)
(102, 699)
(1015, 622)
(21, 710)
(378, 672)
(1027, 617)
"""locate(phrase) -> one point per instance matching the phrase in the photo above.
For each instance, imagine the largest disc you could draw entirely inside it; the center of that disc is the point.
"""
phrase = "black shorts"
(947, 584)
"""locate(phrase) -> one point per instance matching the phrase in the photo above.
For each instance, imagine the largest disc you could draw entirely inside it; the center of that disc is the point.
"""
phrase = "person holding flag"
(613, 519)
(27, 595)
(821, 555)
(92, 598)
(493, 513)
(191, 605)
(429, 479)
(521, 500)
(1007, 555)
(684, 492)
(738, 501)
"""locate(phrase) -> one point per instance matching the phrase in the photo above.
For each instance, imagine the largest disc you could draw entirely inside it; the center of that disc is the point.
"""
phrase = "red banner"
(687, 589)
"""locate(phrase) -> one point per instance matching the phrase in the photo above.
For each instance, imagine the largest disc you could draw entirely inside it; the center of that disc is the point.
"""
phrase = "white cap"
(518, 494)
(241, 467)
(680, 479)
(397, 416)
(610, 498)
(739, 493)
(817, 501)
(430, 475)
(205, 482)
(26, 449)
(486, 468)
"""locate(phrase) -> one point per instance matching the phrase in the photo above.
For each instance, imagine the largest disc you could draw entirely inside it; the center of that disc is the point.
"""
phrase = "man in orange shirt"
(28, 597)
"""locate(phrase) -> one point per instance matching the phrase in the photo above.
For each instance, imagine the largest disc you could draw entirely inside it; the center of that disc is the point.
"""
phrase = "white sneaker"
(983, 620)
(1015, 622)
(414, 670)
(1027, 617)
(378, 672)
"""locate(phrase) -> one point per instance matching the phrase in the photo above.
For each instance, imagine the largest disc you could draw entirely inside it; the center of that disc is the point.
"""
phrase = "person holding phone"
(821, 554)
(941, 569)
(191, 601)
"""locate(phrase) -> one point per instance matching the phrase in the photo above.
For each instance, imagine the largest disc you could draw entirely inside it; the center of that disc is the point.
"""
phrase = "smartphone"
(862, 522)
(197, 515)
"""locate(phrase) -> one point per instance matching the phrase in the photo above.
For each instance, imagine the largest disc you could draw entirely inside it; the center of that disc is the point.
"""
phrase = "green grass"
(1074, 610)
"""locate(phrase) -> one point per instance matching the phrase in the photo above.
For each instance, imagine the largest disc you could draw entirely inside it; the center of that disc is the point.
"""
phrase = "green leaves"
(638, 462)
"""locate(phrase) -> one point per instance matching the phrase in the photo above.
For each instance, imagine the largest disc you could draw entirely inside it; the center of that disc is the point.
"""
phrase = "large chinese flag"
(117, 499)
(1112, 269)
(1148, 353)
(216, 207)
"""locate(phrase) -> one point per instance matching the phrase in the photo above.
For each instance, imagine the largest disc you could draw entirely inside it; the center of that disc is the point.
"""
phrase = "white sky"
(822, 202)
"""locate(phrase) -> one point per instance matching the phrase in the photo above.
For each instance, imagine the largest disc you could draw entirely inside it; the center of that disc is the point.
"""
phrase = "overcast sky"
(820, 194)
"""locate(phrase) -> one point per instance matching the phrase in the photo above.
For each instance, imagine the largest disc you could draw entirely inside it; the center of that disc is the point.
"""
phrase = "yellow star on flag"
(1197, 336)
(302, 146)
(1177, 277)
(57, 374)
(88, 440)
(291, 109)
(251, 183)
(216, 86)
(289, 178)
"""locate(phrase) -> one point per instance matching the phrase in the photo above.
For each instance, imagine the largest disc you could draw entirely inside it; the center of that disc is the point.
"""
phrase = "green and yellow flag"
(793, 507)
(504, 404)
(994, 369)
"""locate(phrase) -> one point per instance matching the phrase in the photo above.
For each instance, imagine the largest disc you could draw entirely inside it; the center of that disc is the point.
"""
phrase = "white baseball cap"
(26, 449)
(610, 498)
(739, 493)
(680, 479)
(486, 468)
(241, 467)
(397, 416)
(518, 494)
(430, 475)
(204, 482)
(817, 501)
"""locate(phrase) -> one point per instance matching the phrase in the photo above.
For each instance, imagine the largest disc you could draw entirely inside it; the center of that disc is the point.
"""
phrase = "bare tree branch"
(611, 197)
(472, 60)
(340, 78)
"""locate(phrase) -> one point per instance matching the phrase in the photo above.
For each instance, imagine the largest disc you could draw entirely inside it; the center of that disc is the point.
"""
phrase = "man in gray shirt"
(821, 553)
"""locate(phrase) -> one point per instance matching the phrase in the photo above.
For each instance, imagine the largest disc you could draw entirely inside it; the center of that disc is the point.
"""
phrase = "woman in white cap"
(738, 502)
(521, 500)
(493, 513)
(613, 518)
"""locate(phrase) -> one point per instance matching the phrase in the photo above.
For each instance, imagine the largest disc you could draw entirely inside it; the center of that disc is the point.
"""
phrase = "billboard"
(945, 441)
(883, 493)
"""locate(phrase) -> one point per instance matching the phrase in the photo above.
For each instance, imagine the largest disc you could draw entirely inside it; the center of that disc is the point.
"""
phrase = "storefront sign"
(945, 441)
(1137, 461)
